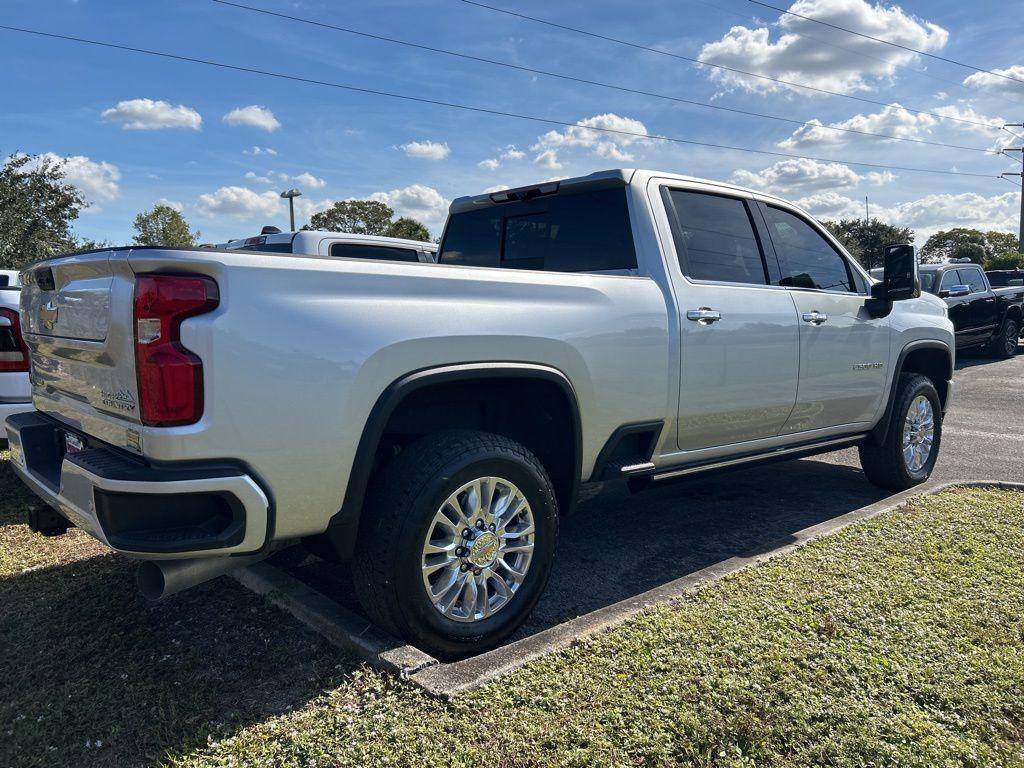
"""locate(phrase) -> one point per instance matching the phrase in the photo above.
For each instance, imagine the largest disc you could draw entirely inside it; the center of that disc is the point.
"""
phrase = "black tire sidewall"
(447, 637)
(1009, 338)
(921, 387)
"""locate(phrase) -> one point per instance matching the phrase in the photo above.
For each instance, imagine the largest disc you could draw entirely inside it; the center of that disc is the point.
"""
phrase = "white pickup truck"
(429, 423)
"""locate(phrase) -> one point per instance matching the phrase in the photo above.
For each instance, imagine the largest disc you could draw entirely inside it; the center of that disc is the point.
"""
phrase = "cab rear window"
(583, 232)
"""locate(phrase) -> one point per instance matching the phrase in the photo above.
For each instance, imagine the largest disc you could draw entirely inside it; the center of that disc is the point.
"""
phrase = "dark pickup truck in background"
(982, 315)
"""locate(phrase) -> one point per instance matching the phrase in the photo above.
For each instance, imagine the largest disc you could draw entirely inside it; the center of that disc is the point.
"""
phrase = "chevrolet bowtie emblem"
(48, 315)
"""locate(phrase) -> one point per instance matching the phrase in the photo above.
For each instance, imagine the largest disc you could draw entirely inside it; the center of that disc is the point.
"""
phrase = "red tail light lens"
(170, 376)
(13, 352)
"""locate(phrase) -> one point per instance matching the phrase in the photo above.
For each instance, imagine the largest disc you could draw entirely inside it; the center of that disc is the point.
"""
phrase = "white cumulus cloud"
(253, 116)
(418, 201)
(150, 115)
(490, 164)
(804, 174)
(796, 55)
(548, 159)
(307, 179)
(995, 83)
(427, 150)
(260, 151)
(96, 179)
(240, 202)
(253, 176)
(604, 135)
(891, 121)
(179, 207)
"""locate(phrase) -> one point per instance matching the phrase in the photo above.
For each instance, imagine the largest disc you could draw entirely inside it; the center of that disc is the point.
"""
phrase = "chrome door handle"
(704, 315)
(815, 317)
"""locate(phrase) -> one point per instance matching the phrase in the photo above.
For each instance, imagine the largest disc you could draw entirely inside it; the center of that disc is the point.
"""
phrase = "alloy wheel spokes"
(478, 548)
(918, 433)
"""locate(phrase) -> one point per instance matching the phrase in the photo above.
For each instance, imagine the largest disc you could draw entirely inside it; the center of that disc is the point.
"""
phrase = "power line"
(481, 110)
(571, 78)
(888, 42)
(662, 52)
(862, 54)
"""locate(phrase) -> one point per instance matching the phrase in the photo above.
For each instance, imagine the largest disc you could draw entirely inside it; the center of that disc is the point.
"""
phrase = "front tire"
(456, 542)
(1004, 345)
(911, 446)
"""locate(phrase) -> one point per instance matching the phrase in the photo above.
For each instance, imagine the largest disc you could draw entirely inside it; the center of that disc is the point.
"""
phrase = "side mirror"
(901, 278)
(956, 291)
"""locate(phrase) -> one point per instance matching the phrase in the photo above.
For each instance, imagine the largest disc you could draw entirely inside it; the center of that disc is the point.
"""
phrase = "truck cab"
(982, 316)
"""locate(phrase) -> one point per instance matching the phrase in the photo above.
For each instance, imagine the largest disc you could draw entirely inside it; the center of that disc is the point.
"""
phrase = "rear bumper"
(167, 512)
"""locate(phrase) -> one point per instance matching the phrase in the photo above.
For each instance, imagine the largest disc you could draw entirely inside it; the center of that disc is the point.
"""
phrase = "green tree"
(408, 228)
(866, 241)
(162, 225)
(367, 217)
(37, 207)
(357, 217)
(963, 242)
(1006, 261)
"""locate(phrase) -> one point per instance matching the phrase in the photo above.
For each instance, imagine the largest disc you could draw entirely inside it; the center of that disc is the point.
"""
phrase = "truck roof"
(614, 177)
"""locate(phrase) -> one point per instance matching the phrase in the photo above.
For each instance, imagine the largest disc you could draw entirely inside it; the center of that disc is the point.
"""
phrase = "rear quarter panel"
(301, 348)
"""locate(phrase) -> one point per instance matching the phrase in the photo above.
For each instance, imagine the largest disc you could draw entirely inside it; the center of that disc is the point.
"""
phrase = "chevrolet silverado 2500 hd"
(430, 422)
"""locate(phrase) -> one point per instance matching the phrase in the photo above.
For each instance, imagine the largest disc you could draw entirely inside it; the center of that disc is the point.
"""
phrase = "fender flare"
(881, 429)
(344, 524)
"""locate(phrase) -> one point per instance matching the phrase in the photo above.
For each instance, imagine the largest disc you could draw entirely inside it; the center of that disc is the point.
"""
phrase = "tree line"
(38, 207)
(865, 240)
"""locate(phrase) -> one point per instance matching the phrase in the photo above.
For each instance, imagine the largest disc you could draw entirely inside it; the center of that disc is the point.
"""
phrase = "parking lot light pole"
(291, 194)
(1020, 232)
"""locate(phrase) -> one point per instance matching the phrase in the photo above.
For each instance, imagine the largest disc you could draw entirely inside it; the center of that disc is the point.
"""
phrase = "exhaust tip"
(151, 581)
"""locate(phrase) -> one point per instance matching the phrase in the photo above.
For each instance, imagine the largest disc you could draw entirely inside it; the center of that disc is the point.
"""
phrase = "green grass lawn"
(899, 641)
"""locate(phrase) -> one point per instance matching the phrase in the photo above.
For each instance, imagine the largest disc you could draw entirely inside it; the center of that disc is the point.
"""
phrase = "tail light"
(13, 352)
(170, 376)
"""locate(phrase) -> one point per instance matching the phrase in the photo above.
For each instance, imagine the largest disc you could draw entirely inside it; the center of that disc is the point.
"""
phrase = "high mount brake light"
(170, 376)
(13, 352)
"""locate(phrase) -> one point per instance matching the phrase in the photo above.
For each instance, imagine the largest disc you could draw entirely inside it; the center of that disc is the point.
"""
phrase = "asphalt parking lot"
(618, 545)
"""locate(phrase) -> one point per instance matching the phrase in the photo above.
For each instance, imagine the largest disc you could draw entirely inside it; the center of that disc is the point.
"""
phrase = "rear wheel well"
(535, 412)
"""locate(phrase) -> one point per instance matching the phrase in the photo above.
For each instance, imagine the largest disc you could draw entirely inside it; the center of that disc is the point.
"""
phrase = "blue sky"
(140, 129)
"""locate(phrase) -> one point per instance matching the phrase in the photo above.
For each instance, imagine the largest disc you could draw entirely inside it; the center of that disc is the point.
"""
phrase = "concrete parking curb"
(340, 626)
(353, 633)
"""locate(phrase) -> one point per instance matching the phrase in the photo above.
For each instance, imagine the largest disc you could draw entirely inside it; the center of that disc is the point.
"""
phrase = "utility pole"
(1020, 233)
(867, 213)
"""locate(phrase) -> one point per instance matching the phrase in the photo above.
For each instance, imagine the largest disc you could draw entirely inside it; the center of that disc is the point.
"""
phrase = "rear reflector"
(13, 352)
(170, 376)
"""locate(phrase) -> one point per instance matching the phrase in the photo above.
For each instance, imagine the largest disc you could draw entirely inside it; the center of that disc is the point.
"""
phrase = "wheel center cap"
(484, 549)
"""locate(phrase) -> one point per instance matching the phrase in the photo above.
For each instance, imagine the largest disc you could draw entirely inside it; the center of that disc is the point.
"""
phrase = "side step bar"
(640, 480)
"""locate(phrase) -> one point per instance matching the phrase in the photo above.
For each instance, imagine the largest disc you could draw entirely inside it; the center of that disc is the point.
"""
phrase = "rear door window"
(972, 276)
(714, 237)
(808, 260)
(582, 232)
(369, 251)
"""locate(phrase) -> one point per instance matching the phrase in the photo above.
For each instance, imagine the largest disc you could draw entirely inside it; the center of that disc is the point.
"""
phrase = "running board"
(790, 452)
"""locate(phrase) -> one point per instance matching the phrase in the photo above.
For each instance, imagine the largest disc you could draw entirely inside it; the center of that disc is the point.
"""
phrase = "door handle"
(815, 317)
(704, 315)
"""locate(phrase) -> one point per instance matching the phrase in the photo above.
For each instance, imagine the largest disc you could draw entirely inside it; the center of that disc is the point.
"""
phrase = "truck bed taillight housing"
(170, 376)
(13, 352)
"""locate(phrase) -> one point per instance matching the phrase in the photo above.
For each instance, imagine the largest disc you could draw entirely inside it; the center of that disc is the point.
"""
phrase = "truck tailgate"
(77, 316)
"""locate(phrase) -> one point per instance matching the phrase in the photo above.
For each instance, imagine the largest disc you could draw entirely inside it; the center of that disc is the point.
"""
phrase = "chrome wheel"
(918, 433)
(1011, 338)
(478, 549)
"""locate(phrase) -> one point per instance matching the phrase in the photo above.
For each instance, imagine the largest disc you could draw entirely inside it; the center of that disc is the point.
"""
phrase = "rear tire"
(1004, 345)
(412, 541)
(902, 460)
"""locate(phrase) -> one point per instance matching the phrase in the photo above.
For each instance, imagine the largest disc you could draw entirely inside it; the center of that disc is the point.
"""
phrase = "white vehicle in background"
(15, 388)
(340, 245)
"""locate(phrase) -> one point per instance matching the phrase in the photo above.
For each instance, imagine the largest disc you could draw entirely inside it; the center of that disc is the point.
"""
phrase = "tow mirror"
(955, 291)
(901, 278)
